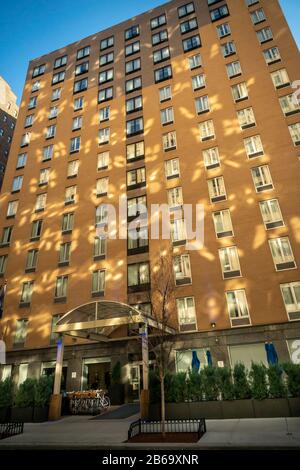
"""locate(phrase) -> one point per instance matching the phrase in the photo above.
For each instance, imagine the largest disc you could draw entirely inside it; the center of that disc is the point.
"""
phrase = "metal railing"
(11, 429)
(171, 426)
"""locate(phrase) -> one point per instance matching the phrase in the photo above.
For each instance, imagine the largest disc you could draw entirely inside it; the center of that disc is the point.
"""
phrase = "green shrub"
(258, 381)
(180, 388)
(225, 383)
(293, 378)
(277, 388)
(6, 393)
(242, 389)
(43, 391)
(209, 382)
(26, 393)
(195, 387)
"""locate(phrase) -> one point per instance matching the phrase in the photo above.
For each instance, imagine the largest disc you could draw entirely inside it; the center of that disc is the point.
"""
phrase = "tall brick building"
(8, 116)
(190, 103)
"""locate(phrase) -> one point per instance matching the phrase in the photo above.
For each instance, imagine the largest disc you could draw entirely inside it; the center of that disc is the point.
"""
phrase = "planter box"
(271, 408)
(294, 404)
(40, 414)
(177, 410)
(5, 414)
(235, 409)
(22, 415)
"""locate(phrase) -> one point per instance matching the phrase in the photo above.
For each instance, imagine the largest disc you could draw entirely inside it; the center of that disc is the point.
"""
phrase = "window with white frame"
(76, 123)
(186, 312)
(50, 131)
(44, 176)
(207, 130)
(104, 114)
(230, 263)
(17, 184)
(202, 104)
(264, 35)
(72, 170)
(172, 168)
(31, 260)
(272, 55)
(40, 202)
(26, 294)
(36, 229)
(262, 178)
(289, 104)
(136, 206)
(182, 269)
(101, 215)
(20, 332)
(67, 222)
(136, 178)
(238, 307)
(239, 92)
(167, 116)
(56, 94)
(246, 118)
(165, 93)
(104, 136)
(102, 186)
(64, 253)
(280, 78)
(253, 146)
(257, 16)
(175, 198)
(25, 139)
(53, 112)
(222, 223)
(21, 161)
(211, 158)
(178, 231)
(3, 263)
(98, 281)
(70, 194)
(291, 297)
(135, 151)
(271, 213)
(198, 82)
(103, 161)
(47, 153)
(61, 287)
(75, 144)
(216, 189)
(223, 30)
(12, 208)
(100, 247)
(6, 235)
(78, 103)
(234, 69)
(282, 253)
(228, 49)
(195, 61)
(295, 133)
(29, 120)
(169, 141)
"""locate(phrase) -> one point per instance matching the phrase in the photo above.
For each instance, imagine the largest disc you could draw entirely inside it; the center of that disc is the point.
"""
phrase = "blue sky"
(31, 28)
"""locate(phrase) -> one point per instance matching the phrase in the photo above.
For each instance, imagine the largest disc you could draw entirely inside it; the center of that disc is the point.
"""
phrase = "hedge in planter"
(293, 378)
(24, 402)
(277, 388)
(6, 397)
(43, 391)
(225, 383)
(258, 381)
(242, 389)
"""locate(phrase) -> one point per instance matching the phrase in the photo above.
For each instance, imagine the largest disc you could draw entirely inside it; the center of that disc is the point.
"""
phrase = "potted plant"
(22, 410)
(6, 394)
(43, 391)
(116, 389)
(293, 385)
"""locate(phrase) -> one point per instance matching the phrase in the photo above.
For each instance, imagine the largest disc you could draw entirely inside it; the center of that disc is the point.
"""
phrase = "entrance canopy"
(96, 321)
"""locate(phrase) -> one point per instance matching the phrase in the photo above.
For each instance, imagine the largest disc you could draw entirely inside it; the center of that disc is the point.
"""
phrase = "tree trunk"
(163, 406)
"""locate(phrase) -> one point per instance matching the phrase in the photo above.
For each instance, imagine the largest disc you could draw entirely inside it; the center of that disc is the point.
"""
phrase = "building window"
(169, 141)
(133, 84)
(230, 263)
(136, 178)
(80, 85)
(6, 236)
(251, 2)
(238, 307)
(64, 254)
(20, 332)
(165, 73)
(106, 94)
(289, 105)
(50, 131)
(132, 32)
(56, 94)
(234, 69)
(106, 59)
(81, 68)
(295, 133)
(271, 213)
(158, 38)
(186, 312)
(136, 206)
(106, 43)
(188, 25)
(211, 158)
(135, 151)
(272, 55)
(61, 287)
(219, 13)
(161, 54)
(167, 116)
(78, 103)
(3, 263)
(83, 52)
(262, 178)
(282, 253)
(67, 222)
(36, 229)
(53, 112)
(137, 240)
(202, 104)
(28, 121)
(104, 136)
(165, 93)
(133, 66)
(102, 186)
(291, 297)
(223, 30)
(172, 168)
(39, 70)
(253, 146)
(182, 270)
(186, 9)
(195, 61)
(47, 153)
(246, 118)
(72, 170)
(198, 82)
(99, 247)
(75, 144)
(175, 198)
(101, 215)
(134, 127)
(31, 261)
(191, 43)
(12, 208)
(98, 282)
(58, 77)
(40, 202)
(178, 232)
(17, 184)
(134, 104)
(228, 49)
(103, 161)
(26, 294)
(25, 139)
(44, 176)
(70, 195)
(258, 16)
(132, 48)
(264, 35)
(223, 224)
(106, 76)
(280, 78)
(216, 189)
(76, 123)
(239, 92)
(104, 114)
(60, 61)
(138, 277)
(158, 21)
(207, 130)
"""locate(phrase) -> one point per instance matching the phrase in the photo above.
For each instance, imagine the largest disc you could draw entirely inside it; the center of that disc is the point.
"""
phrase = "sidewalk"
(80, 432)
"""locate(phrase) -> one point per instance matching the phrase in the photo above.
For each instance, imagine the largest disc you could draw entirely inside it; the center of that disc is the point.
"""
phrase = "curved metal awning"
(96, 321)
